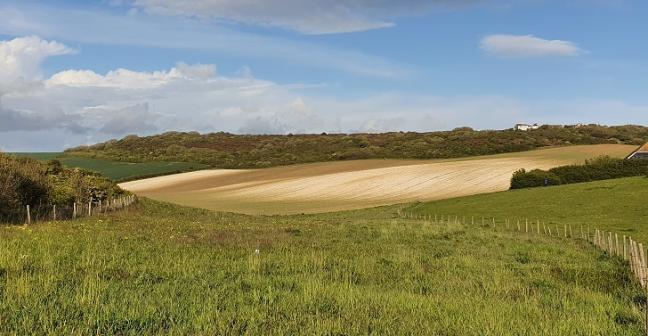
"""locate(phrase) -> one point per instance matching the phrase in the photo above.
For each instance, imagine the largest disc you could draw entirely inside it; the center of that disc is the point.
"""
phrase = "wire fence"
(620, 246)
(43, 213)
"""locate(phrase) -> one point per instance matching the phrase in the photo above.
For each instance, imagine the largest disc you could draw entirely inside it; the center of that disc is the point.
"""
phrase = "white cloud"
(528, 46)
(81, 106)
(20, 60)
(127, 79)
(142, 30)
(305, 16)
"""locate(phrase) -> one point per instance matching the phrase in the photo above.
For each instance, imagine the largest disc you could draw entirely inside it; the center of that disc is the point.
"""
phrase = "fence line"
(76, 210)
(626, 248)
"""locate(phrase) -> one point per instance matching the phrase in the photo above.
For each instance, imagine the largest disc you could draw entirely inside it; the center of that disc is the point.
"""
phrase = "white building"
(525, 127)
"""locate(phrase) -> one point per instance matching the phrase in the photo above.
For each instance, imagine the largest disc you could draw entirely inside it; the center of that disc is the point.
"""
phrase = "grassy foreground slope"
(159, 268)
(618, 205)
(334, 186)
(117, 170)
(224, 150)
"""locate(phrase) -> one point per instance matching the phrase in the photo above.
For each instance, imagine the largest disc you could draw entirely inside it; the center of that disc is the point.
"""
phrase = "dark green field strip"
(123, 171)
(40, 155)
(117, 170)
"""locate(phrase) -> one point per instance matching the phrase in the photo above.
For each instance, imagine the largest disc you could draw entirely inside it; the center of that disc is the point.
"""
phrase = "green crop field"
(117, 170)
(618, 205)
(163, 269)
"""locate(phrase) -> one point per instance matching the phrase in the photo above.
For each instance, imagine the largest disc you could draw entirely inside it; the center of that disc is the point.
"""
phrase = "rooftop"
(643, 148)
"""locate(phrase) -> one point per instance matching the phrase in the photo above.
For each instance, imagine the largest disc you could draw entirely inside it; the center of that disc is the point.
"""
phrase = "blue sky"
(307, 66)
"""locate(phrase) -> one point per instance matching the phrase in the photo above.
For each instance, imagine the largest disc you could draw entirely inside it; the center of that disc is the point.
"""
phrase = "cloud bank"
(304, 16)
(141, 30)
(528, 46)
(81, 106)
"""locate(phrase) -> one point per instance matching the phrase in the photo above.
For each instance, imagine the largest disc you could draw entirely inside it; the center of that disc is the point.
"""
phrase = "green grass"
(164, 269)
(117, 170)
(43, 156)
(619, 205)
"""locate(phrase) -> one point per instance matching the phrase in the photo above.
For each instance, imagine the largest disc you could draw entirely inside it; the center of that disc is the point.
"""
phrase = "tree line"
(225, 150)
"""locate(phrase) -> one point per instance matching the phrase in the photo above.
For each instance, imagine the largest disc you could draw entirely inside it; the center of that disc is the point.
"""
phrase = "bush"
(601, 168)
(25, 181)
(535, 178)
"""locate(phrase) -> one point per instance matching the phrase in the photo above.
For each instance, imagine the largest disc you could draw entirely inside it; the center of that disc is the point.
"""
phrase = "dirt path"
(346, 185)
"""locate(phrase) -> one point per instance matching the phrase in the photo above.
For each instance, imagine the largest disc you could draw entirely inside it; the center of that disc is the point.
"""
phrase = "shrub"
(601, 168)
(24, 181)
(535, 178)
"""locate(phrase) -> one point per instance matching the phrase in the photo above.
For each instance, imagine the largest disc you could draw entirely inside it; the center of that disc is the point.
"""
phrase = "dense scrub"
(226, 150)
(25, 181)
(602, 168)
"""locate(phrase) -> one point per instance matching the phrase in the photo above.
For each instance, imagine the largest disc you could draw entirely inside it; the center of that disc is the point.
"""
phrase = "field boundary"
(76, 210)
(633, 253)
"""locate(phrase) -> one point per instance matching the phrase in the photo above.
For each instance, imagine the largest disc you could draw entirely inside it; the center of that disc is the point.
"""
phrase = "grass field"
(163, 269)
(332, 186)
(618, 205)
(117, 170)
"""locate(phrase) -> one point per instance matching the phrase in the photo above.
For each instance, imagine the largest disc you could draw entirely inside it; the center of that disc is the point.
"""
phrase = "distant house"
(525, 127)
(574, 126)
(641, 153)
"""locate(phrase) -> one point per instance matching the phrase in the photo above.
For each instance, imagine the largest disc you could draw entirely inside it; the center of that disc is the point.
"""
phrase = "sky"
(76, 72)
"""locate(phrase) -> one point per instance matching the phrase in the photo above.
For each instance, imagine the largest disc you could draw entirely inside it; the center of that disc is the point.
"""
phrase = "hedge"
(601, 168)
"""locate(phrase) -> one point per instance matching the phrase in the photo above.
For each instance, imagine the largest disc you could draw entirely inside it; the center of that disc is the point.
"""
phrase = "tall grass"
(163, 269)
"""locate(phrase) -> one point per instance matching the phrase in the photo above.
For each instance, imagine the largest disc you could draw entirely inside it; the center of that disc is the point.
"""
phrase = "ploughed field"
(332, 186)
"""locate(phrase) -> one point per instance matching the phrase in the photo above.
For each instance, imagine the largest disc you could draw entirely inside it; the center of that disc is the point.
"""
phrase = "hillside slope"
(616, 205)
(162, 269)
(347, 185)
(223, 150)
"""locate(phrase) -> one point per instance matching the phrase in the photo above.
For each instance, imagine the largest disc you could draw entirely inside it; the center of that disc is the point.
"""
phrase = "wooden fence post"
(90, 208)
(565, 230)
(538, 226)
(625, 253)
(642, 256)
(74, 210)
(28, 214)
(54, 212)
